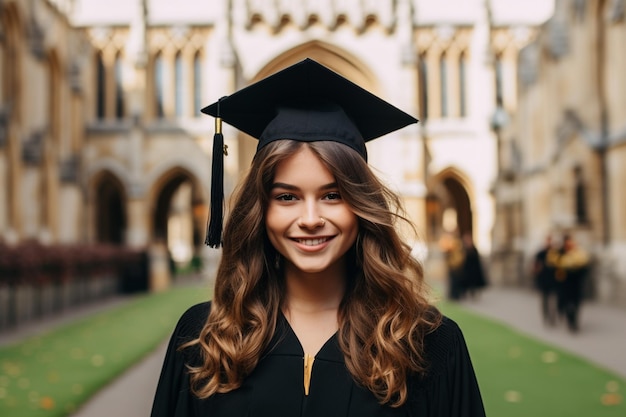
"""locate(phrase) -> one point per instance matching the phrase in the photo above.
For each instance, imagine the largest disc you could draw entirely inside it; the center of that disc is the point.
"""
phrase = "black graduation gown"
(276, 388)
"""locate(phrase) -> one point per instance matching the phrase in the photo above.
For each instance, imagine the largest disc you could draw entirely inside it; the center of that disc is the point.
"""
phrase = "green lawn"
(519, 376)
(52, 374)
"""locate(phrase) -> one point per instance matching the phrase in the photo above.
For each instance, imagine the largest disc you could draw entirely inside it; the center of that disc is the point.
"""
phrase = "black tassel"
(214, 232)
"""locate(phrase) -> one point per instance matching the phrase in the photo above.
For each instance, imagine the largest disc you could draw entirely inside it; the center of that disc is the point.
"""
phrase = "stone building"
(101, 139)
(563, 154)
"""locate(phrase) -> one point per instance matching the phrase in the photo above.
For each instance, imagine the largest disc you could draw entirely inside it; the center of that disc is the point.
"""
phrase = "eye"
(334, 195)
(285, 197)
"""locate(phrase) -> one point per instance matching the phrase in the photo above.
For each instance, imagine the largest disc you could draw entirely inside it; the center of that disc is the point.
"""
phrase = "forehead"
(303, 166)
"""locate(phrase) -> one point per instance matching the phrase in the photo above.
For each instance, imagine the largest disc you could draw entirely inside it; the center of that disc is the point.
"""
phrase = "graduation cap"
(305, 102)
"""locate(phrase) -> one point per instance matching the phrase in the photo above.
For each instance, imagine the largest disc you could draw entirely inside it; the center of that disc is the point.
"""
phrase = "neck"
(314, 292)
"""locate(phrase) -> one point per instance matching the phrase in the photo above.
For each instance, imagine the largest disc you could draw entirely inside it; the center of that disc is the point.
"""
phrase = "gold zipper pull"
(308, 368)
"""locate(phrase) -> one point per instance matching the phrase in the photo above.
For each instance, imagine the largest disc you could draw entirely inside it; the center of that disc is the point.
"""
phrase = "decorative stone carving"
(32, 148)
(558, 39)
(74, 77)
(36, 38)
(69, 169)
(328, 13)
(572, 125)
(569, 126)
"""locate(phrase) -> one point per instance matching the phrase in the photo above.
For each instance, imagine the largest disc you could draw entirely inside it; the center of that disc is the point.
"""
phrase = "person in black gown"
(319, 308)
(545, 282)
(473, 271)
(571, 265)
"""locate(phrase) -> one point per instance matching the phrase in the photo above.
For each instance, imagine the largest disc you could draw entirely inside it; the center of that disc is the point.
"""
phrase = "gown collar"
(285, 342)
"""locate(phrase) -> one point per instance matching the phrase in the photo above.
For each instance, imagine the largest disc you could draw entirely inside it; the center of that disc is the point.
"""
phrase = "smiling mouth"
(312, 242)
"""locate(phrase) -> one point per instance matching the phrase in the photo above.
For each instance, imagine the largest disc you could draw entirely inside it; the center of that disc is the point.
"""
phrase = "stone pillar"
(159, 261)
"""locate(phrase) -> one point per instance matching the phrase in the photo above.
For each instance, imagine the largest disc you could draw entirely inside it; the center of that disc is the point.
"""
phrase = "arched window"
(119, 88)
(443, 79)
(423, 86)
(462, 86)
(197, 84)
(158, 86)
(100, 87)
(579, 196)
(178, 86)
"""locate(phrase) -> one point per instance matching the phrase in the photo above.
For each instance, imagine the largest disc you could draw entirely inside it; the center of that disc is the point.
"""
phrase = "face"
(307, 221)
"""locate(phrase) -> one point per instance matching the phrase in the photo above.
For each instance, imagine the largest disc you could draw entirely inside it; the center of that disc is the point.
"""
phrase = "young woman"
(319, 309)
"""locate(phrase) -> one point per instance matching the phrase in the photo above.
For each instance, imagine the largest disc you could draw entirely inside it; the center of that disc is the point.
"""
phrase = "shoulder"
(192, 321)
(443, 345)
(449, 386)
(445, 333)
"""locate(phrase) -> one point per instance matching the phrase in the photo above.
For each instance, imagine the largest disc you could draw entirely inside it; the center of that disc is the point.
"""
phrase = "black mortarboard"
(305, 102)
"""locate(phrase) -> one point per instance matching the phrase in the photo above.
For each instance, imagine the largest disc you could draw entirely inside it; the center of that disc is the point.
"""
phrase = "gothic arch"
(333, 57)
(177, 164)
(449, 204)
(115, 167)
(110, 216)
(177, 204)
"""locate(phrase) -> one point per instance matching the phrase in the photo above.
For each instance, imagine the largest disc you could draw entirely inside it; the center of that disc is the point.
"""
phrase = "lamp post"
(499, 120)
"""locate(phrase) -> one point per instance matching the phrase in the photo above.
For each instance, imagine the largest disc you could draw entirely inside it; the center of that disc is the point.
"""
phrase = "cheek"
(351, 225)
(273, 223)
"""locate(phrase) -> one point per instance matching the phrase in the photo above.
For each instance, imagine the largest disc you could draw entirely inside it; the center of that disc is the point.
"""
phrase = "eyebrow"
(292, 187)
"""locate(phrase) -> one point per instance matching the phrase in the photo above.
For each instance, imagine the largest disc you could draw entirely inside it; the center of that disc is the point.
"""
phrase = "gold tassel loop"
(308, 368)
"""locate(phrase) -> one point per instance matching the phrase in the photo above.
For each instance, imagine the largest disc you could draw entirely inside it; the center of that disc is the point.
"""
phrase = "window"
(178, 86)
(443, 79)
(423, 86)
(462, 87)
(197, 84)
(100, 88)
(119, 88)
(158, 86)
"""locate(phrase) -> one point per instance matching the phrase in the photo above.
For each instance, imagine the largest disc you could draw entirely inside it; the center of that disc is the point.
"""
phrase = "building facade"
(563, 152)
(101, 137)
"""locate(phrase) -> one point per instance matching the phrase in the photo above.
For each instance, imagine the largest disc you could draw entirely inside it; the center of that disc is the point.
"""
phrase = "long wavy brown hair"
(383, 317)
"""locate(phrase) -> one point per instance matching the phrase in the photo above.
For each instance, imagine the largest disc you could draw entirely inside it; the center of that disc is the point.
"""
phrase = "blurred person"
(474, 279)
(319, 309)
(571, 265)
(545, 282)
(454, 253)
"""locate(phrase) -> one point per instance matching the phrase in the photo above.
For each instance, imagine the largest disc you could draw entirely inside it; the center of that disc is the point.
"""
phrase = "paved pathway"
(601, 338)
(132, 394)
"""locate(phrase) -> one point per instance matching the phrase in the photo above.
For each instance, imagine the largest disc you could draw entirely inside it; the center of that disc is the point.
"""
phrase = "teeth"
(312, 242)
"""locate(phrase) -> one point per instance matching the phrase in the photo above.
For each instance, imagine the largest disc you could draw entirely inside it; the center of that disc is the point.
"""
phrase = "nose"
(311, 218)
